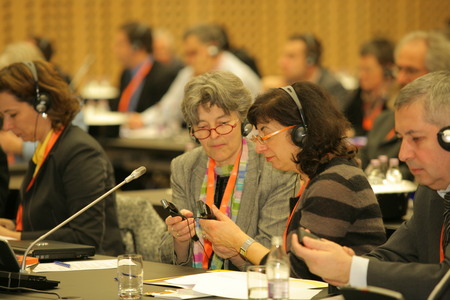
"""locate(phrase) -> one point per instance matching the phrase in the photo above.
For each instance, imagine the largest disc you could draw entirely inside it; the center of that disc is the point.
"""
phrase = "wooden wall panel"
(80, 28)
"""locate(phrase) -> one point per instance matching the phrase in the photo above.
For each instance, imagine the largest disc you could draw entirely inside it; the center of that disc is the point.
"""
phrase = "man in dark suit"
(417, 255)
(144, 80)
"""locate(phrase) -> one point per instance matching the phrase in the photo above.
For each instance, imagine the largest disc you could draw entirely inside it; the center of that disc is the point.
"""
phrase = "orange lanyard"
(133, 85)
(210, 189)
(53, 138)
(299, 195)
(369, 118)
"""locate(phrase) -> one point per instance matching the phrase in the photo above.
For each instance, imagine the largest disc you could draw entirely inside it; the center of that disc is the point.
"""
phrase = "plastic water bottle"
(393, 174)
(375, 176)
(278, 271)
(384, 163)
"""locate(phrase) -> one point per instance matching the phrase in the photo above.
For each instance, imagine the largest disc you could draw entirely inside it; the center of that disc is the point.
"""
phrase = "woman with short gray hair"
(226, 172)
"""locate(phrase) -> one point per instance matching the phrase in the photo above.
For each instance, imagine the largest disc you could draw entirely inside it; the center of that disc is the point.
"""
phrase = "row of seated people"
(297, 171)
(153, 79)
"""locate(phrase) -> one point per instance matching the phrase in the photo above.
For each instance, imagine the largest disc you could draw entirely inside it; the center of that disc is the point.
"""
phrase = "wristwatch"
(244, 247)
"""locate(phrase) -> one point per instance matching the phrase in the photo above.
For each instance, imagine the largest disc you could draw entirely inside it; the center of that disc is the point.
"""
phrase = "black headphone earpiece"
(246, 128)
(42, 100)
(443, 137)
(298, 132)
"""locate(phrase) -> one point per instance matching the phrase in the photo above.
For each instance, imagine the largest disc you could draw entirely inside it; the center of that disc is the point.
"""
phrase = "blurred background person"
(301, 60)
(144, 80)
(376, 85)
(69, 169)
(164, 49)
(47, 50)
(300, 130)
(203, 47)
(416, 54)
(225, 171)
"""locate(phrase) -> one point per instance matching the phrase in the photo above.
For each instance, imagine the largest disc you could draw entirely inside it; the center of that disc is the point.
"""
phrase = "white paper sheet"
(77, 266)
(234, 285)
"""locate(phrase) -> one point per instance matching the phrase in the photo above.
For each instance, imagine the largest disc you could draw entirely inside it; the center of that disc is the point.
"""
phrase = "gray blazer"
(265, 199)
(409, 261)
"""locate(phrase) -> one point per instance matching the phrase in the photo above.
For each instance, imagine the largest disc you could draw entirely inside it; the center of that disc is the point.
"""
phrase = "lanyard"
(210, 189)
(299, 195)
(51, 142)
(133, 85)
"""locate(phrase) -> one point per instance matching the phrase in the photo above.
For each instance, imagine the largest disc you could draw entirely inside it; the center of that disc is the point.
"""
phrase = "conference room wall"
(80, 28)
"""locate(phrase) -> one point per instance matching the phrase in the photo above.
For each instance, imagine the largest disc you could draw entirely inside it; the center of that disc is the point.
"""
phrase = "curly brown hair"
(326, 125)
(18, 80)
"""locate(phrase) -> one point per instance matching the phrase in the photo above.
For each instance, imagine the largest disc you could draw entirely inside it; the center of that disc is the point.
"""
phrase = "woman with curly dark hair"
(301, 130)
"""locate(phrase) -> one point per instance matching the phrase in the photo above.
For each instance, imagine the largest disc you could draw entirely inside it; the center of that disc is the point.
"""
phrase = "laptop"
(53, 250)
(12, 278)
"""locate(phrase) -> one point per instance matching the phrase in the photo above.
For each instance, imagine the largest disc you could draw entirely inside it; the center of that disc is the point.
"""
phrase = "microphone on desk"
(134, 175)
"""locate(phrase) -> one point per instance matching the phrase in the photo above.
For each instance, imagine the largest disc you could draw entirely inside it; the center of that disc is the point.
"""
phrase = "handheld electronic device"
(171, 208)
(204, 211)
(302, 233)
(174, 212)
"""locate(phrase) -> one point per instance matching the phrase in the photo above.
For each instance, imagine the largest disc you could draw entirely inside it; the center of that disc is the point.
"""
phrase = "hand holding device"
(175, 212)
(171, 208)
(302, 233)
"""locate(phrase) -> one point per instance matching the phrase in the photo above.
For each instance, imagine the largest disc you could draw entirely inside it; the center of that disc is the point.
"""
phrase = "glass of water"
(130, 275)
(257, 282)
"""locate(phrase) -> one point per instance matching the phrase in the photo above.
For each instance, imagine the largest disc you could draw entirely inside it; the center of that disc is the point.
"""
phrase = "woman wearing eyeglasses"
(301, 130)
(226, 172)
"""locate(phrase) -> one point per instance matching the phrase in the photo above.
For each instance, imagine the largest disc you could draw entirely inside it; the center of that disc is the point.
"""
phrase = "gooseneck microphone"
(134, 175)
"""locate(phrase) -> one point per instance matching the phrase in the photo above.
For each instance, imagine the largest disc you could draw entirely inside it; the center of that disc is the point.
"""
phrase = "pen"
(60, 263)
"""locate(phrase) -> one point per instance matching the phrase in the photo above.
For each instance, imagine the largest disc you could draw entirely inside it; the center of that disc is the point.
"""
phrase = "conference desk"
(101, 285)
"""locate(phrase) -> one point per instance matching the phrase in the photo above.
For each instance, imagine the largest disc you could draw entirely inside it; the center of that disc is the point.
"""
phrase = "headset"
(298, 132)
(42, 101)
(246, 128)
(443, 137)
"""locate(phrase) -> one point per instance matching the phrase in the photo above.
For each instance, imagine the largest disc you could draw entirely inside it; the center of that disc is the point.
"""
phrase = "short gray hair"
(433, 90)
(222, 89)
(438, 52)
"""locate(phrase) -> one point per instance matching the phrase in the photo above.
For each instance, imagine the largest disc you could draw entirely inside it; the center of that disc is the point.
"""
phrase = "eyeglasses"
(263, 139)
(221, 129)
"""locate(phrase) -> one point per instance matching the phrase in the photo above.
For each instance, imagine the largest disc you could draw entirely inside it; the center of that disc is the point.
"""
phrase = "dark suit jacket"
(156, 84)
(75, 173)
(409, 261)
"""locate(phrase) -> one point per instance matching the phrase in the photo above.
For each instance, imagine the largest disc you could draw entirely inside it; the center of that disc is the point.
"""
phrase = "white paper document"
(76, 265)
(233, 285)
